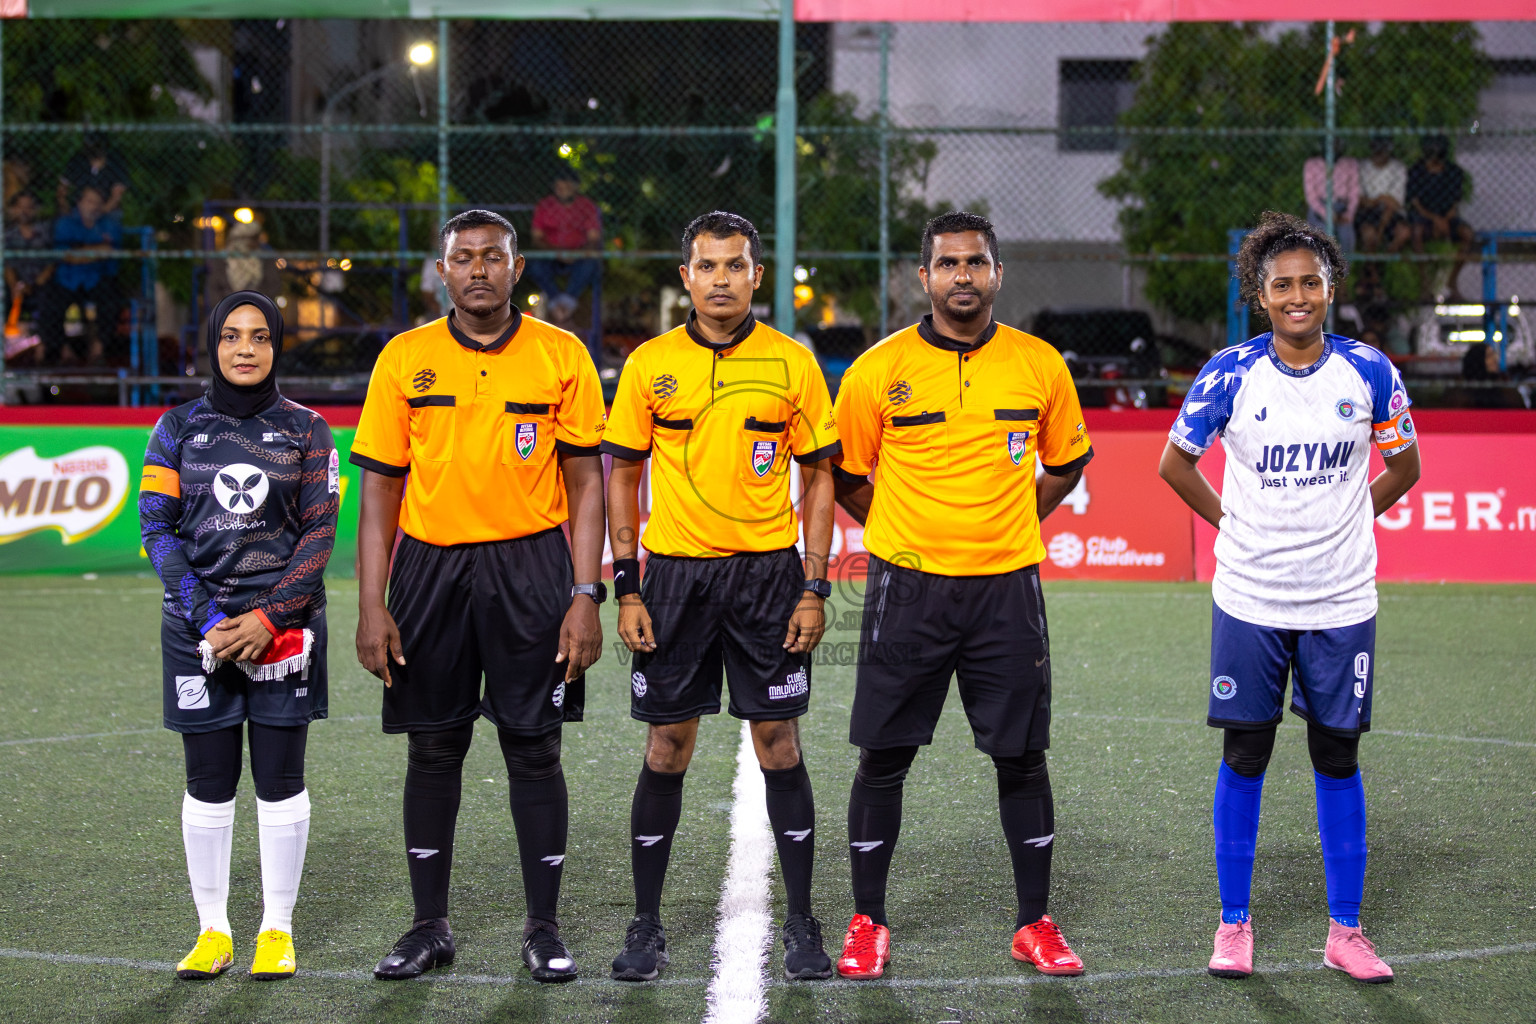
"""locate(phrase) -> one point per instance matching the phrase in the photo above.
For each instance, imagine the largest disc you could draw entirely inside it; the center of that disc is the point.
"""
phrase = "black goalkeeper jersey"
(240, 514)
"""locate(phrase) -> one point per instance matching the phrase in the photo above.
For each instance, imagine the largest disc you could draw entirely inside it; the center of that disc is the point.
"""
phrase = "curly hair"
(1280, 233)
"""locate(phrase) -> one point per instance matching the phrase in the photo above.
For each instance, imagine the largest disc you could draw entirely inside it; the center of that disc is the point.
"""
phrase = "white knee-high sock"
(284, 826)
(206, 831)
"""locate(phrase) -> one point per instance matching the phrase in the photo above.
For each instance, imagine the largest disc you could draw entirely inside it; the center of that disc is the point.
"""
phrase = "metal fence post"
(784, 176)
(442, 121)
(885, 178)
(1237, 309)
(1330, 117)
(1330, 113)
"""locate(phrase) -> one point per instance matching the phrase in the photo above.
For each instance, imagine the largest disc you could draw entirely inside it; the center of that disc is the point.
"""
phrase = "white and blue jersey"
(1296, 548)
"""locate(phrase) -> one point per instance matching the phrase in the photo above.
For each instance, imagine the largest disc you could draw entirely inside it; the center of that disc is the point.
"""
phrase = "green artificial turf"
(90, 849)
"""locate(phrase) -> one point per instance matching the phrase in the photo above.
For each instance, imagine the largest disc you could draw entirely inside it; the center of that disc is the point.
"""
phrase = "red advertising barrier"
(1471, 518)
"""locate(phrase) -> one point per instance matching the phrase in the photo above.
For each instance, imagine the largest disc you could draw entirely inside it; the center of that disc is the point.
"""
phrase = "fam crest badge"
(527, 439)
(1018, 440)
(763, 453)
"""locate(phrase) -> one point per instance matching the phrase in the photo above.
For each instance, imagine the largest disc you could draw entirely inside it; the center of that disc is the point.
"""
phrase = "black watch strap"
(821, 588)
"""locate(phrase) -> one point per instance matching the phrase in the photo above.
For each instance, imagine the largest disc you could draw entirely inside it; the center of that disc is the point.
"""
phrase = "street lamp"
(420, 55)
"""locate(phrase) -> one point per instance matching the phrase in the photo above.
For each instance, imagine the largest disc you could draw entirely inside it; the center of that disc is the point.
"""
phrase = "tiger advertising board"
(1471, 518)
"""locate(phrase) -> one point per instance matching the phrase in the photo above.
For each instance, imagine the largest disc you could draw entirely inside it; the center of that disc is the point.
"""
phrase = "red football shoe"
(866, 949)
(1041, 944)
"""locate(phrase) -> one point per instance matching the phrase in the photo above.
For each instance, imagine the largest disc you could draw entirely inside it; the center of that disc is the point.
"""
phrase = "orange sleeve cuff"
(266, 621)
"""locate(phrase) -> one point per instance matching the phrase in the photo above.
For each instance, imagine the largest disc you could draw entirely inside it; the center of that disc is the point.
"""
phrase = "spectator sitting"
(96, 168)
(1436, 187)
(430, 287)
(1346, 196)
(82, 279)
(566, 220)
(25, 278)
(1383, 191)
(17, 175)
(256, 273)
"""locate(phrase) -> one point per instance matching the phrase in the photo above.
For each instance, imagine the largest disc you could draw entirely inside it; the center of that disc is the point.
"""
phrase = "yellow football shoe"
(274, 956)
(210, 958)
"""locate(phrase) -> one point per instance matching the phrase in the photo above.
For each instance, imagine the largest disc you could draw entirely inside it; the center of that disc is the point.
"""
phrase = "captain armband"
(1396, 435)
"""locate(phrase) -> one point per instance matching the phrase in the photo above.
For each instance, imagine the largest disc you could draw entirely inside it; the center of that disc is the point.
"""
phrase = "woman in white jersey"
(1295, 585)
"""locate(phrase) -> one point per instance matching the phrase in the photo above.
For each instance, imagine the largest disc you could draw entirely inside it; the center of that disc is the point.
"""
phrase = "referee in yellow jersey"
(719, 406)
(496, 417)
(949, 415)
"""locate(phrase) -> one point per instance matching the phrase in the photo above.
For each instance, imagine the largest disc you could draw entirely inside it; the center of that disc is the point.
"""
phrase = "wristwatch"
(821, 588)
(596, 591)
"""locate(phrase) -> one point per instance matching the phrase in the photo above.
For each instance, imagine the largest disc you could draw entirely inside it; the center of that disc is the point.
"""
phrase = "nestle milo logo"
(75, 494)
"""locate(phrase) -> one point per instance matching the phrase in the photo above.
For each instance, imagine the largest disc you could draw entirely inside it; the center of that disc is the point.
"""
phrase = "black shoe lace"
(547, 945)
(802, 932)
(643, 933)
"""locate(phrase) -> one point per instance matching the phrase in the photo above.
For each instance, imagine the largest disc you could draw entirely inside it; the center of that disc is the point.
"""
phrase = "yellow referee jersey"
(720, 424)
(952, 434)
(477, 427)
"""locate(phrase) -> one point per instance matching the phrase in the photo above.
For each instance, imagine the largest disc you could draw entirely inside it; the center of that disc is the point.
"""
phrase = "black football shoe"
(547, 958)
(804, 957)
(645, 950)
(427, 945)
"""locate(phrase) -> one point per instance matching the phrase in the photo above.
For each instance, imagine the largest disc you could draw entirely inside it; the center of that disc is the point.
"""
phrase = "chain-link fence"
(316, 159)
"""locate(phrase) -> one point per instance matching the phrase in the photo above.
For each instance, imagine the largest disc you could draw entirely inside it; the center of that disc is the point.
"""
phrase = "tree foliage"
(1241, 102)
(838, 198)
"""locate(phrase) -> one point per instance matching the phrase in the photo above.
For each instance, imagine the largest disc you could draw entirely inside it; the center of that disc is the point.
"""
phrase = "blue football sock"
(1341, 825)
(1235, 813)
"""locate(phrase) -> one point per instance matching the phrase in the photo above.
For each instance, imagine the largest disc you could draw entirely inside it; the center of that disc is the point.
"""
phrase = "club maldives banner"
(69, 490)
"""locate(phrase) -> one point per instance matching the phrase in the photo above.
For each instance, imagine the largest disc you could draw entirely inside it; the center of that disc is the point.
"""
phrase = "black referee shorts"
(714, 614)
(920, 628)
(492, 609)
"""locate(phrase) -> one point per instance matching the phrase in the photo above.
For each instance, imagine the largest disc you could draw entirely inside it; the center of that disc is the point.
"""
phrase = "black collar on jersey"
(473, 345)
(691, 325)
(243, 400)
(926, 330)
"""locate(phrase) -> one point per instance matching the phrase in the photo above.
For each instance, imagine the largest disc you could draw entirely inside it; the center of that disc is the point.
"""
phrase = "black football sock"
(434, 781)
(874, 824)
(1029, 826)
(653, 819)
(541, 816)
(792, 814)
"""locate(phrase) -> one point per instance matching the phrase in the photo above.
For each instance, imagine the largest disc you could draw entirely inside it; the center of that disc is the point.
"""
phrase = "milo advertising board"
(69, 498)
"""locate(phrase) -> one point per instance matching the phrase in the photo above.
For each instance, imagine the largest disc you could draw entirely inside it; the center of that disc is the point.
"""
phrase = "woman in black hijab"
(249, 383)
(238, 515)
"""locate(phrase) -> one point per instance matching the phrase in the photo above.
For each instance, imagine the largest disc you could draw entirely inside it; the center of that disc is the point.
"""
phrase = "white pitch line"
(745, 930)
(1013, 981)
(1006, 981)
(80, 736)
(437, 977)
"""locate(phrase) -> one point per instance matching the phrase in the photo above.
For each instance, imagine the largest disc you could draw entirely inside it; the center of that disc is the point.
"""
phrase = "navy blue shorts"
(198, 701)
(1331, 672)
